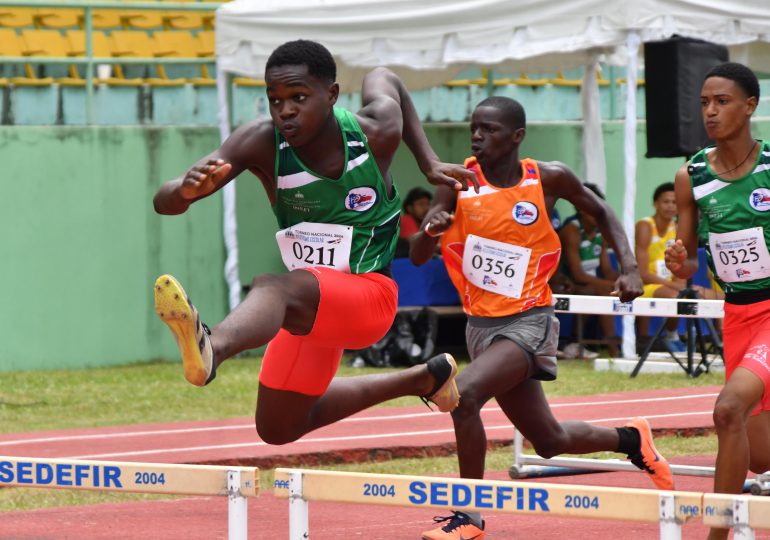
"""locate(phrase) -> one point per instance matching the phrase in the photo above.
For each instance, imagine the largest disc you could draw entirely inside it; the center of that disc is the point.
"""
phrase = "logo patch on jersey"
(360, 199)
(760, 199)
(525, 213)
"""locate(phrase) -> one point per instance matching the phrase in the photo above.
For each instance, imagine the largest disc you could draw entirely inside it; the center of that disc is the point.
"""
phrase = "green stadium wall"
(81, 245)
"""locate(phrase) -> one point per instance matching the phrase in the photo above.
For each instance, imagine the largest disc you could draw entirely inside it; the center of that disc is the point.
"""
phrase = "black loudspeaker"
(674, 72)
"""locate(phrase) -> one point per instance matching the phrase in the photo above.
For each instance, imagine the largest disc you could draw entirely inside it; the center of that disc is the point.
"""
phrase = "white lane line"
(375, 418)
(352, 438)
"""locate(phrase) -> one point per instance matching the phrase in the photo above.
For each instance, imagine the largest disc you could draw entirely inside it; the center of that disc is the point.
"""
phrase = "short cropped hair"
(661, 189)
(302, 52)
(594, 188)
(415, 194)
(738, 73)
(514, 112)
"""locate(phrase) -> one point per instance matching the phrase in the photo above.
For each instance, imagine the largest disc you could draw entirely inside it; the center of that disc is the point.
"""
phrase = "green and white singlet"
(735, 225)
(589, 250)
(350, 223)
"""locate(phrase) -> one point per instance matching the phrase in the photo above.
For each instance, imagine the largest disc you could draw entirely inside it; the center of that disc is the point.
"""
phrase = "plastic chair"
(50, 43)
(58, 18)
(16, 17)
(183, 20)
(141, 19)
(102, 19)
(103, 46)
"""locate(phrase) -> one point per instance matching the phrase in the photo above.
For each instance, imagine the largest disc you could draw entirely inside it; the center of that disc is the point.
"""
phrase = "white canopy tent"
(429, 41)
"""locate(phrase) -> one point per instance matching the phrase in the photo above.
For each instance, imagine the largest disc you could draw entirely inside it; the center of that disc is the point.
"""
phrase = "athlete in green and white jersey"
(356, 205)
(735, 207)
(325, 172)
(729, 186)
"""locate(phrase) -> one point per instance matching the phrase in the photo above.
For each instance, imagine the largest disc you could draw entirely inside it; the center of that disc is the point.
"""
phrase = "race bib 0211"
(308, 245)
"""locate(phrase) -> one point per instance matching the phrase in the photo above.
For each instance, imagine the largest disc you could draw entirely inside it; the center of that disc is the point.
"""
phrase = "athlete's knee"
(268, 281)
(550, 445)
(759, 464)
(729, 413)
(276, 433)
(469, 407)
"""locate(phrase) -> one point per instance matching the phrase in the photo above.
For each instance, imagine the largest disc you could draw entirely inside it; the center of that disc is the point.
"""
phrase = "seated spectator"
(653, 235)
(416, 205)
(585, 261)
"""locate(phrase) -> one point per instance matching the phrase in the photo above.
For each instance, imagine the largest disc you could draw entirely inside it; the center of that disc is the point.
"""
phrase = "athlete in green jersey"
(728, 186)
(325, 172)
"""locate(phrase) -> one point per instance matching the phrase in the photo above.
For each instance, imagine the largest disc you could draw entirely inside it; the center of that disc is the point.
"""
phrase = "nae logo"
(525, 213)
(760, 199)
(360, 199)
(299, 195)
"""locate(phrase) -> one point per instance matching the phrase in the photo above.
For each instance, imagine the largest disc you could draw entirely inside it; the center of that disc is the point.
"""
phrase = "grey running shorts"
(535, 330)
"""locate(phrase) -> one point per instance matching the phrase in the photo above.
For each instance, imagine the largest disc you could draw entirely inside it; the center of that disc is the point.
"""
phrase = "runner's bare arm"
(438, 219)
(560, 182)
(388, 115)
(682, 257)
(252, 146)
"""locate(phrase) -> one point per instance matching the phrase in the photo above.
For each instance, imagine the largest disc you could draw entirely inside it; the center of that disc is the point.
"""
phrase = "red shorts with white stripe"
(354, 312)
(747, 343)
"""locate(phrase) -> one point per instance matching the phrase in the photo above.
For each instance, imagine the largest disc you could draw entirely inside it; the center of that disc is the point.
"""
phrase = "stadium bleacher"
(158, 90)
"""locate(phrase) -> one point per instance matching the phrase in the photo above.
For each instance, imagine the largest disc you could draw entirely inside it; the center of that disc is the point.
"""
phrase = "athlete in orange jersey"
(500, 250)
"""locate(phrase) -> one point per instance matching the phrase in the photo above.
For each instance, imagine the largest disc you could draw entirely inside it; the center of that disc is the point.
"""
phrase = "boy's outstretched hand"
(675, 255)
(202, 180)
(454, 176)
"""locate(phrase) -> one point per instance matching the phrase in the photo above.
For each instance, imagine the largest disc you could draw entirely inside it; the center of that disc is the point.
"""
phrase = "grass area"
(157, 392)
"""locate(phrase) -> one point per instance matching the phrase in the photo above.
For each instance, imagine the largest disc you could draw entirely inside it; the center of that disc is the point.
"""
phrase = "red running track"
(383, 431)
(394, 431)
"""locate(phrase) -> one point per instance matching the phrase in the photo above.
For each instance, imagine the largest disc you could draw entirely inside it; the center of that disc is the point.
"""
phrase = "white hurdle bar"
(530, 465)
(669, 508)
(643, 307)
(235, 483)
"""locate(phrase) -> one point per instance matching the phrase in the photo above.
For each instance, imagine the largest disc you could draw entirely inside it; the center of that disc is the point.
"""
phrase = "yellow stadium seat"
(76, 43)
(103, 47)
(205, 43)
(183, 20)
(103, 19)
(138, 44)
(560, 80)
(10, 43)
(50, 43)
(43, 43)
(141, 19)
(17, 17)
(174, 44)
(58, 18)
(127, 43)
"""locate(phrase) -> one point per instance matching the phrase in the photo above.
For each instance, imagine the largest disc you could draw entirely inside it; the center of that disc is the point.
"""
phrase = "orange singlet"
(502, 250)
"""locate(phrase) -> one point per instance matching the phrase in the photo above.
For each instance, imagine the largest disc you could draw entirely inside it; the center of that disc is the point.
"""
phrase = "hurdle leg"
(298, 509)
(237, 514)
(741, 528)
(670, 528)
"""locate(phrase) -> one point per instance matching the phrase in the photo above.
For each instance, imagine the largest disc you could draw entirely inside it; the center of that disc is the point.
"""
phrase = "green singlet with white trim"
(358, 198)
(727, 206)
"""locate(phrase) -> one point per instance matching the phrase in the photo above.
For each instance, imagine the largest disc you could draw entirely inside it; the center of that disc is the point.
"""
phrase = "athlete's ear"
(751, 103)
(519, 135)
(334, 93)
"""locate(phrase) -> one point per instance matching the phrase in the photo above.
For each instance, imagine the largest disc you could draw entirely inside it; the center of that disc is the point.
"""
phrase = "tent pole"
(232, 276)
(632, 44)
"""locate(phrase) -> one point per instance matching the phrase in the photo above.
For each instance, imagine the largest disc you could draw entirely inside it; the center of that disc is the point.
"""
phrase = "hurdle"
(533, 466)
(669, 508)
(235, 483)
